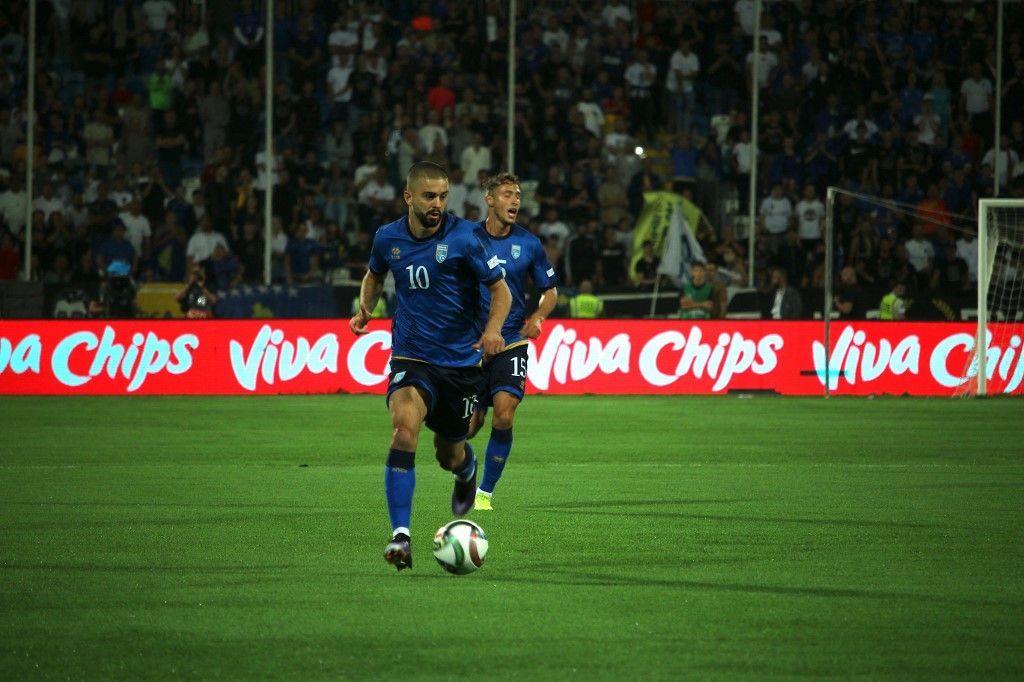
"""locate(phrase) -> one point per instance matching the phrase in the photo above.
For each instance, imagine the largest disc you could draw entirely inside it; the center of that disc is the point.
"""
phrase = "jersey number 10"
(418, 277)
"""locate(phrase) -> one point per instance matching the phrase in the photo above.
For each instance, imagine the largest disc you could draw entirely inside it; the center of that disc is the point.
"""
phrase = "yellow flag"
(656, 219)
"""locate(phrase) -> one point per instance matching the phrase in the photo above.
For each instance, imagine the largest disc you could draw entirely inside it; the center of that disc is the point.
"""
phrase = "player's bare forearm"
(491, 341)
(501, 303)
(369, 293)
(532, 327)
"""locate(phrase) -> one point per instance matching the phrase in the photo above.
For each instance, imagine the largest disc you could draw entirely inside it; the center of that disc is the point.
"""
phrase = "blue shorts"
(452, 394)
(506, 371)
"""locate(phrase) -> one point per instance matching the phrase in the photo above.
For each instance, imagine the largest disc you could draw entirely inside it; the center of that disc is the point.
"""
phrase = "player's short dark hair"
(424, 170)
(495, 181)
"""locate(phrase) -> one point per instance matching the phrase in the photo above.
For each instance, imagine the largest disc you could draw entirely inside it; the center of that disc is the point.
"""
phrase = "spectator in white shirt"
(475, 157)
(593, 115)
(860, 118)
(744, 11)
(458, 192)
(339, 90)
(48, 202)
(683, 67)
(766, 65)
(156, 13)
(201, 245)
(775, 212)
(928, 124)
(920, 251)
(1007, 162)
(810, 212)
(615, 12)
(967, 248)
(553, 227)
(433, 129)
(136, 226)
(376, 198)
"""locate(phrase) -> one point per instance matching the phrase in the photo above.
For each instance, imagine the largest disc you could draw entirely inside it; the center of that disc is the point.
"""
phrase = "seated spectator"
(585, 305)
(786, 301)
(201, 245)
(303, 262)
(226, 270)
(893, 305)
(846, 300)
(116, 248)
(612, 263)
(645, 271)
(697, 301)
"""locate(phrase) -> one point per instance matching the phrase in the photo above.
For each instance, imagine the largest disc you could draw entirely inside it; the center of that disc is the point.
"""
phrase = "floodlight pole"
(755, 100)
(30, 134)
(268, 140)
(510, 142)
(830, 198)
(998, 100)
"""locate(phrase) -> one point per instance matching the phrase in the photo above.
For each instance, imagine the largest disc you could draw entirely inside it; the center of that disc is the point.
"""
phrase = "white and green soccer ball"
(460, 546)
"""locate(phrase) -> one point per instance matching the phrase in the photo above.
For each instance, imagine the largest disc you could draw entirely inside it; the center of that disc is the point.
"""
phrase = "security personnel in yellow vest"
(585, 304)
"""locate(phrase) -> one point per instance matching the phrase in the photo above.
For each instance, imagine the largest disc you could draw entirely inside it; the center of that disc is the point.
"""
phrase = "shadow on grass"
(142, 523)
(173, 505)
(642, 507)
(585, 578)
(593, 504)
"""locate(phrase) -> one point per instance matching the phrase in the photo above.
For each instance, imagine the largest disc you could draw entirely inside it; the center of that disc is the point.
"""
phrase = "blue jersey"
(520, 255)
(437, 286)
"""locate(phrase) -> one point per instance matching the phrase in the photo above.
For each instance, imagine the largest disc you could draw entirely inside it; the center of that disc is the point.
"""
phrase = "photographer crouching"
(195, 298)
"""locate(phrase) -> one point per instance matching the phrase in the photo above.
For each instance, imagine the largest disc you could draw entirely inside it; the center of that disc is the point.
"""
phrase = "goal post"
(994, 352)
(1000, 291)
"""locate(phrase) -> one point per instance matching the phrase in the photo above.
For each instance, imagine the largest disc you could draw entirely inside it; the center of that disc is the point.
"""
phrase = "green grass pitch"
(632, 538)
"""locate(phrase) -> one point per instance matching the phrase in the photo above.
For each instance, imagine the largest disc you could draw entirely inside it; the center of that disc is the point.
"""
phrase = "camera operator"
(117, 292)
(196, 299)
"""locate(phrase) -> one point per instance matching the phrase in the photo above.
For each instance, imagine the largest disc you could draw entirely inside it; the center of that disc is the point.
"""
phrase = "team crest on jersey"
(441, 253)
(396, 253)
(516, 250)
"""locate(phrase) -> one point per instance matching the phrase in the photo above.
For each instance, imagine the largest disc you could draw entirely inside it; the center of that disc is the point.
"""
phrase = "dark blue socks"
(498, 449)
(399, 483)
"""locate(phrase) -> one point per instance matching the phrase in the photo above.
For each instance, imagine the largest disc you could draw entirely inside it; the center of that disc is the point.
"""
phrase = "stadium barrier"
(227, 357)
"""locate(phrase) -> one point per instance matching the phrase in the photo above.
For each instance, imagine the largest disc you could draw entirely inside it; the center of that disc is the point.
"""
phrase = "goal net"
(913, 261)
(1000, 327)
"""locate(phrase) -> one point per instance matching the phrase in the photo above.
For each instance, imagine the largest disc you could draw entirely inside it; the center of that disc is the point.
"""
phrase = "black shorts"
(452, 394)
(506, 371)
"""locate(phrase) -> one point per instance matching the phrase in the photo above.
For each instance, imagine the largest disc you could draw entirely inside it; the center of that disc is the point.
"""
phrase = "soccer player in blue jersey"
(522, 258)
(439, 340)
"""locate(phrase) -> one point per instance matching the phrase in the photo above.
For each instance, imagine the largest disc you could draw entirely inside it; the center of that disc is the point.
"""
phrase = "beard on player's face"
(429, 218)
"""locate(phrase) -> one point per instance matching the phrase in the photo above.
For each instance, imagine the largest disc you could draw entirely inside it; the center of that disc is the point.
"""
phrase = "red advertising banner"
(214, 357)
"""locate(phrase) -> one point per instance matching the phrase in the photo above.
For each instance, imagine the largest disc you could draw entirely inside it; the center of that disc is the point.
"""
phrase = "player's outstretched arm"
(501, 302)
(532, 327)
(369, 292)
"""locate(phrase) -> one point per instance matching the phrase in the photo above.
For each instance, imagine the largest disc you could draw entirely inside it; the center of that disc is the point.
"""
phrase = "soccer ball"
(460, 546)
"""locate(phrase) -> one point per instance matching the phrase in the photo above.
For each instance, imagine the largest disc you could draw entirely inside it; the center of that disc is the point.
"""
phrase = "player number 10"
(418, 277)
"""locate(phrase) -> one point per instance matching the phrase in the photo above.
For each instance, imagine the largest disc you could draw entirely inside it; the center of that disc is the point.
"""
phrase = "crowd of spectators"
(150, 150)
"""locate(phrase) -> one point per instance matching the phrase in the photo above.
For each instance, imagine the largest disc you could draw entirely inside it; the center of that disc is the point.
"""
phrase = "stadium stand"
(161, 102)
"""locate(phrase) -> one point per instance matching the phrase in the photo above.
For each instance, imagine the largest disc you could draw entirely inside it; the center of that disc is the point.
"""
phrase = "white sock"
(400, 529)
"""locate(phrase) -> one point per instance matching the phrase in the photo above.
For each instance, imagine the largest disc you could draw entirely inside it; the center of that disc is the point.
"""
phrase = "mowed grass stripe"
(633, 538)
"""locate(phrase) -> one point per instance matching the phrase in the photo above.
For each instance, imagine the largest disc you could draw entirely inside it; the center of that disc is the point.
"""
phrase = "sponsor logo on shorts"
(398, 377)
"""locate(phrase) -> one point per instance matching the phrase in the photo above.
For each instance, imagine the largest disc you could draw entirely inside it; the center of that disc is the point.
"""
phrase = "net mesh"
(1003, 263)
